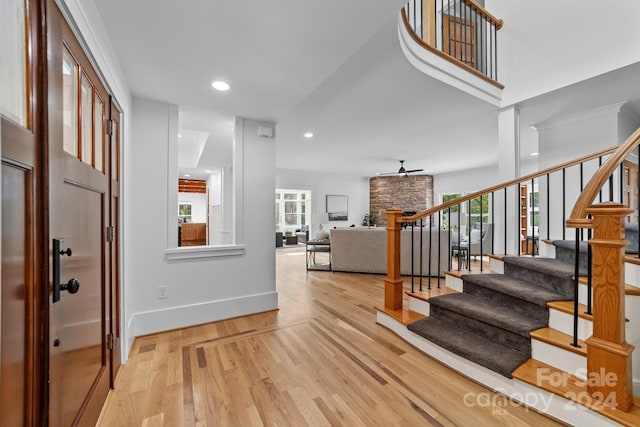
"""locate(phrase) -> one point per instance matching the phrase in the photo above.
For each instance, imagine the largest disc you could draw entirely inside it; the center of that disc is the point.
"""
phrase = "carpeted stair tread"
(516, 288)
(485, 312)
(550, 266)
(498, 358)
(571, 245)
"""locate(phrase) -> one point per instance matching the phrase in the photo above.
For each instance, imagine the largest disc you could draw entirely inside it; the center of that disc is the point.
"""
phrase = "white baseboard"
(149, 322)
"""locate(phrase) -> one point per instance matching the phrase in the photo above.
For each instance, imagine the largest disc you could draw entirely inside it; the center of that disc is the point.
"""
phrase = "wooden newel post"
(608, 354)
(393, 282)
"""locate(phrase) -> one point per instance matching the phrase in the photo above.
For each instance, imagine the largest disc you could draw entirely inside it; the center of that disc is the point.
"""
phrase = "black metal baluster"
(455, 31)
(412, 257)
(448, 27)
(449, 242)
(548, 208)
(439, 249)
(430, 248)
(519, 224)
(505, 220)
(533, 219)
(621, 183)
(463, 27)
(600, 192)
(470, 225)
(493, 221)
(421, 252)
(564, 205)
(441, 24)
(611, 188)
(481, 237)
(495, 31)
(589, 271)
(459, 213)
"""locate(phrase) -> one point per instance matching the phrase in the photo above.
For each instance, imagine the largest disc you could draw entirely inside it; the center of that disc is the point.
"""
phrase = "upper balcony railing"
(460, 29)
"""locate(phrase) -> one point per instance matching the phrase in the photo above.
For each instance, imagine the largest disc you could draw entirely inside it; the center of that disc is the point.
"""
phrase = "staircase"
(511, 329)
(491, 320)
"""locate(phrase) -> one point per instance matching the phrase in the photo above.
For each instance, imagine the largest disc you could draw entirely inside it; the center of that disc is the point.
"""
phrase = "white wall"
(566, 138)
(355, 188)
(201, 290)
(536, 52)
(467, 181)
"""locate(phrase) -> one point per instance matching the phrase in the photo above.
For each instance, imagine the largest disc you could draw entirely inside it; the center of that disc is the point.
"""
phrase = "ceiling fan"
(402, 171)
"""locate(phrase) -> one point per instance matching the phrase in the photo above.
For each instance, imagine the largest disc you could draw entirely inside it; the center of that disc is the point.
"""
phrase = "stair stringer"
(514, 390)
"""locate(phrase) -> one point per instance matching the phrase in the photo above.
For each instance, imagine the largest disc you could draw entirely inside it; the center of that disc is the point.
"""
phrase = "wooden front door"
(79, 220)
(22, 287)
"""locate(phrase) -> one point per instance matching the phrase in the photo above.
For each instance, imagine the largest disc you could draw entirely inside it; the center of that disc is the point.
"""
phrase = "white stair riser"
(563, 322)
(454, 283)
(496, 265)
(632, 274)
(583, 294)
(547, 250)
(557, 357)
(419, 306)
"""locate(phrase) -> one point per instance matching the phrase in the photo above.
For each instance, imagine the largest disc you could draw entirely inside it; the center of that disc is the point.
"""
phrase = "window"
(292, 209)
(69, 104)
(452, 223)
(13, 61)
(479, 208)
(184, 212)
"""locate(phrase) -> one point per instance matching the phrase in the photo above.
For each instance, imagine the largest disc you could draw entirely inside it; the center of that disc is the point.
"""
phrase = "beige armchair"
(480, 237)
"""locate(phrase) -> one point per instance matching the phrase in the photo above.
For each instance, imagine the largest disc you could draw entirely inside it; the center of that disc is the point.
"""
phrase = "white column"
(508, 169)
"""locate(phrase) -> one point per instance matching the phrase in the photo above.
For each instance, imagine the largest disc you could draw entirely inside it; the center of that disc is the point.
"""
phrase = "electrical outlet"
(162, 292)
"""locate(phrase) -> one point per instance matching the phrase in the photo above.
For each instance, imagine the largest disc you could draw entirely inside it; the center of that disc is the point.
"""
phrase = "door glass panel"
(86, 120)
(69, 103)
(13, 61)
(99, 134)
(115, 149)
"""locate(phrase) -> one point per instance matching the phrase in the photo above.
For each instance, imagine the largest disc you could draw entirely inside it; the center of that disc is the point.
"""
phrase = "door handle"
(73, 285)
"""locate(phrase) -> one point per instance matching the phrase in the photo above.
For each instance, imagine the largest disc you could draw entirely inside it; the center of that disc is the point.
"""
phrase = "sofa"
(364, 250)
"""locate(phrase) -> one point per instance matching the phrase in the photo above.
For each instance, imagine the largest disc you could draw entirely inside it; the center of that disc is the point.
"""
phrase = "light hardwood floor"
(320, 360)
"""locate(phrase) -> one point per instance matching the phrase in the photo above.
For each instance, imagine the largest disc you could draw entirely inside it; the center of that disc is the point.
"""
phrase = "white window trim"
(237, 248)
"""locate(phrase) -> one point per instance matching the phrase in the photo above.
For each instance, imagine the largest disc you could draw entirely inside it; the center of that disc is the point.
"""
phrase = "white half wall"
(198, 290)
(354, 187)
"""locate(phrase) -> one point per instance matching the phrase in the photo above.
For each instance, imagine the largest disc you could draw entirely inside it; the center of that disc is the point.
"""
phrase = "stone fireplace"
(409, 193)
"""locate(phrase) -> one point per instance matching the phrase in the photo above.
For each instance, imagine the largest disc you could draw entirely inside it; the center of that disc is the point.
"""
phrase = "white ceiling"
(331, 67)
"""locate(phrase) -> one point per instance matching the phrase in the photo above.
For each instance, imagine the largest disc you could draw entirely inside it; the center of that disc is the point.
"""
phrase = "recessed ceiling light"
(179, 136)
(220, 85)
(207, 171)
(186, 175)
(534, 154)
(308, 135)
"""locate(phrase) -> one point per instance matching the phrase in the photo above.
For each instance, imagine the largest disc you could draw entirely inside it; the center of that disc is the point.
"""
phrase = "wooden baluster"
(608, 353)
(393, 282)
